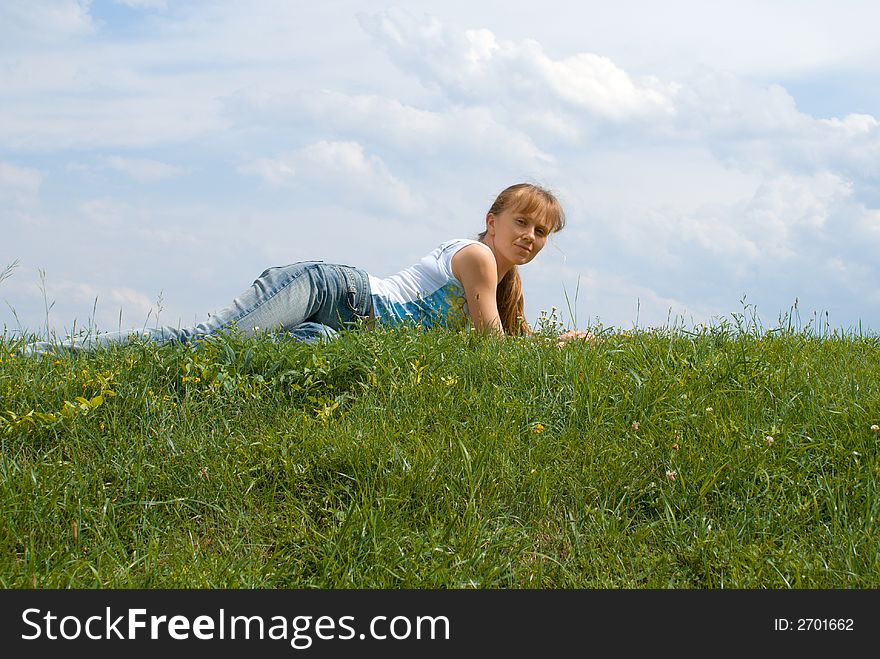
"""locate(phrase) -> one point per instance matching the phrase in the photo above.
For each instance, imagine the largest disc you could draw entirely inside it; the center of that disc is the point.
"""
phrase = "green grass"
(442, 459)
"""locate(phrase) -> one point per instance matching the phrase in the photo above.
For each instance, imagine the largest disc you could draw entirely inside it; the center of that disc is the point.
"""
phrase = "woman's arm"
(475, 267)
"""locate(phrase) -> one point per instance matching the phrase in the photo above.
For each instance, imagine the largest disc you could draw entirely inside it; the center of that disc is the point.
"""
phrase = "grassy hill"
(716, 457)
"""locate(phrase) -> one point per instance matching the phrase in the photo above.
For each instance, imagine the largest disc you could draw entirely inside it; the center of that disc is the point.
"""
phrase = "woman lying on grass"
(312, 299)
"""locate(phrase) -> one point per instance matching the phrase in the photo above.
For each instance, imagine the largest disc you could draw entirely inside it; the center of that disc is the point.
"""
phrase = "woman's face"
(516, 237)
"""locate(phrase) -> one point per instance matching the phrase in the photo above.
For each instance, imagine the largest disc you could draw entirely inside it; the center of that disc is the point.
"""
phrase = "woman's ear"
(490, 224)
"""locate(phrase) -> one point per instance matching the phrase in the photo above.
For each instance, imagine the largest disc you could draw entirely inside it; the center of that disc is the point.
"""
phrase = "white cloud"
(105, 213)
(796, 236)
(40, 22)
(785, 215)
(798, 203)
(473, 66)
(336, 170)
(560, 105)
(81, 306)
(73, 304)
(19, 199)
(750, 38)
(596, 84)
(117, 219)
(852, 125)
(760, 128)
(145, 4)
(418, 133)
(128, 118)
(82, 293)
(19, 186)
(787, 219)
(144, 170)
(611, 298)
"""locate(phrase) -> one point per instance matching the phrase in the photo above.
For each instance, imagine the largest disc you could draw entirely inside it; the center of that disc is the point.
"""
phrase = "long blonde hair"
(536, 202)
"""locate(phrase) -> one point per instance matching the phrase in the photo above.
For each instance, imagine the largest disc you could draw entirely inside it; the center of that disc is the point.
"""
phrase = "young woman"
(472, 279)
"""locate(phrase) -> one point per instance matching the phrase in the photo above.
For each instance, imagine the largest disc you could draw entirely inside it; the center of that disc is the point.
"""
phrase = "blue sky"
(155, 156)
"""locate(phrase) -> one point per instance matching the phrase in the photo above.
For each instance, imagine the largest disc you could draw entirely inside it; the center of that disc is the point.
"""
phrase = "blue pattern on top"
(444, 305)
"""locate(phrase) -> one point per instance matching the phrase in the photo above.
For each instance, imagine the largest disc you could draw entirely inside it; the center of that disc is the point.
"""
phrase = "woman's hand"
(575, 335)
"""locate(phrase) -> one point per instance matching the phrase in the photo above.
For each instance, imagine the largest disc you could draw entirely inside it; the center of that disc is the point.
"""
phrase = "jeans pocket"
(351, 300)
(356, 294)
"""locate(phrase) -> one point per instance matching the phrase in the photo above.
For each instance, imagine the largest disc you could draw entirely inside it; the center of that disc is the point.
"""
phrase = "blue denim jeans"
(309, 301)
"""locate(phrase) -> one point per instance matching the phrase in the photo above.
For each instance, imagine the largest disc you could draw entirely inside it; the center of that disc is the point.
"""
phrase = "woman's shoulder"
(472, 260)
(455, 251)
(455, 244)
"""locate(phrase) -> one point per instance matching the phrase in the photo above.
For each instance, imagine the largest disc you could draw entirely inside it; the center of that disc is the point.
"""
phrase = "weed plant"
(722, 456)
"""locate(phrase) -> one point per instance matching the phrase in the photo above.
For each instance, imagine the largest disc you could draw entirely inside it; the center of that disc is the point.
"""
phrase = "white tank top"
(426, 293)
